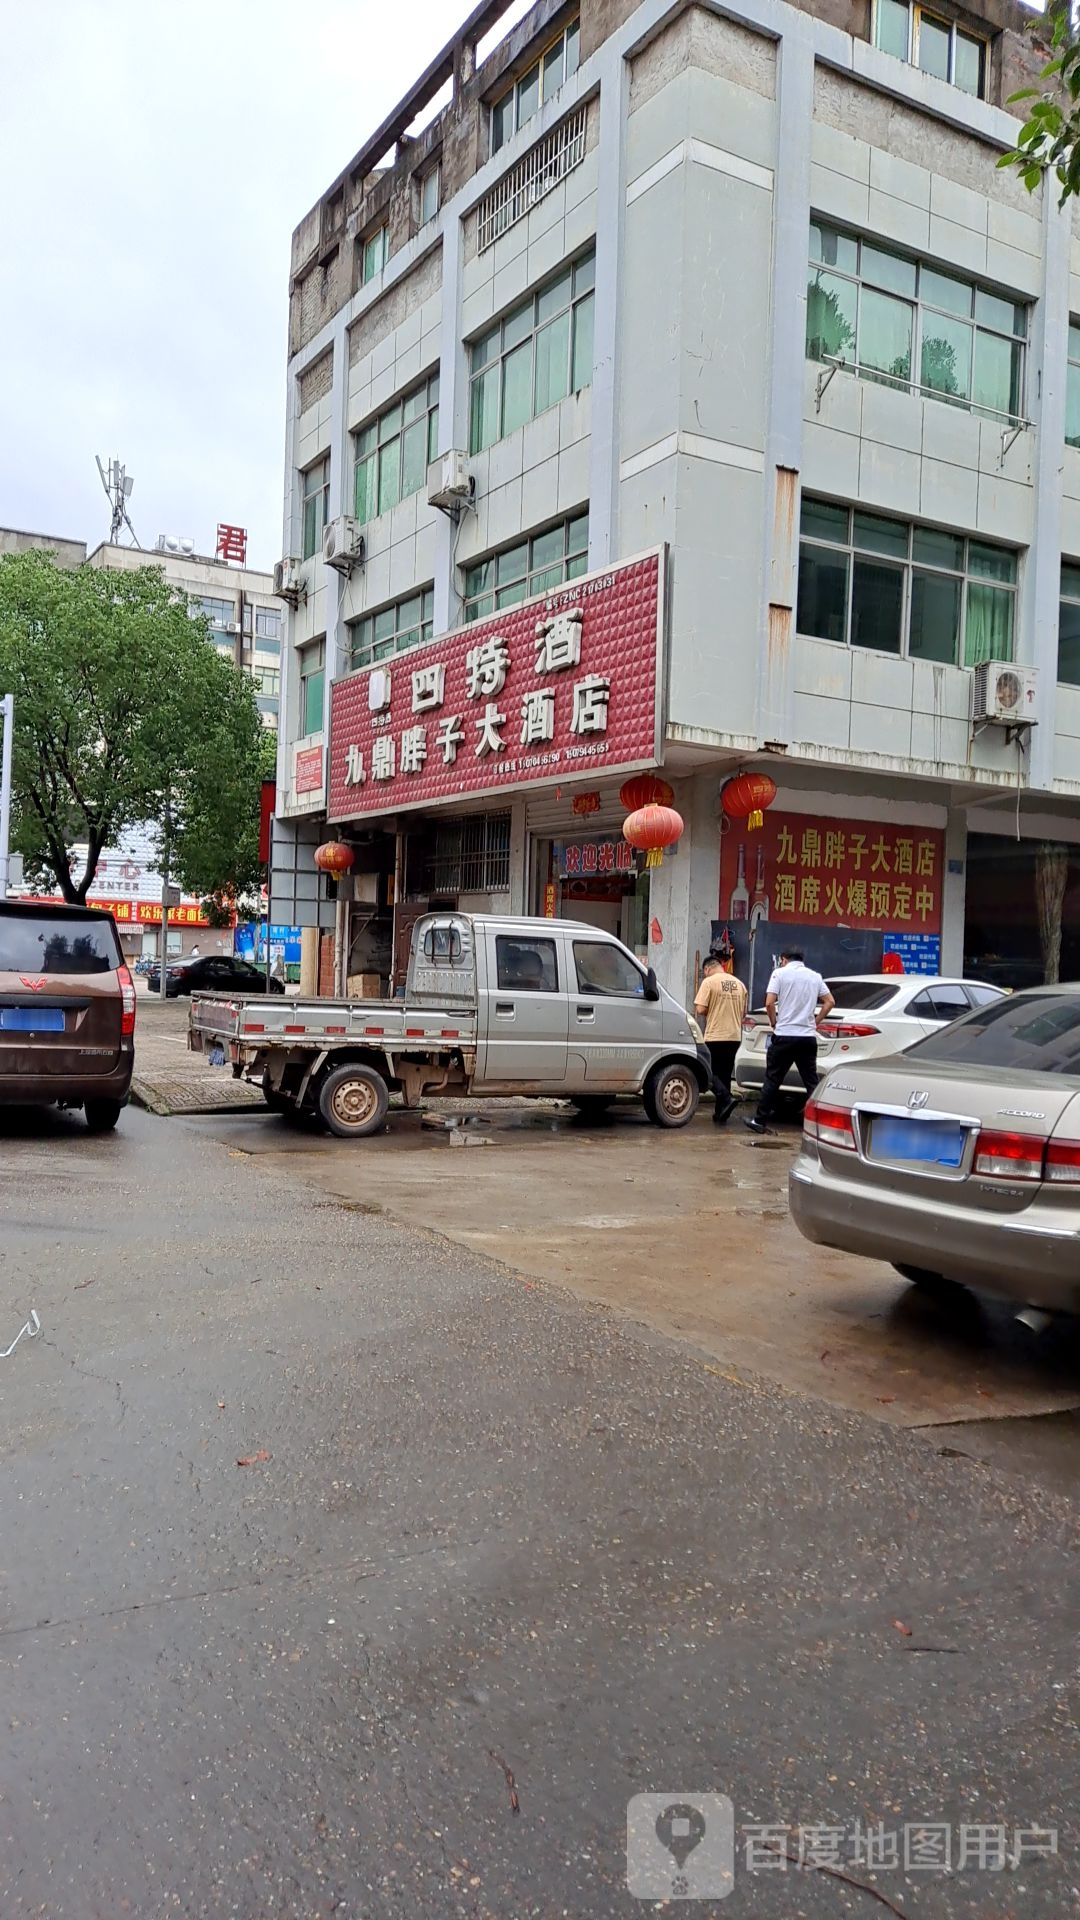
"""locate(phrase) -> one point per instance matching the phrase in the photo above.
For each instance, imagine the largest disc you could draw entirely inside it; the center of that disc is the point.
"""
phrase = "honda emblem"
(917, 1100)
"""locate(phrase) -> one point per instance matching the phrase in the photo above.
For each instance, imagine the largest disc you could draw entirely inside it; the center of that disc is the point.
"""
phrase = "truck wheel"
(671, 1095)
(102, 1115)
(353, 1101)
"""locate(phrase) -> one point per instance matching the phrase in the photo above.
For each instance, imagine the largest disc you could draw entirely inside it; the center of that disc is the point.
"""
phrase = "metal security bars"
(535, 175)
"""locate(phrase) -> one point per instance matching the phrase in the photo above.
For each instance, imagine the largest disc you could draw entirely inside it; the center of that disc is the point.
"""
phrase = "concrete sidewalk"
(169, 1079)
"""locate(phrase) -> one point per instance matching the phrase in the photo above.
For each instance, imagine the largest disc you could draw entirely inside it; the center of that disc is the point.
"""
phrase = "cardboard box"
(364, 986)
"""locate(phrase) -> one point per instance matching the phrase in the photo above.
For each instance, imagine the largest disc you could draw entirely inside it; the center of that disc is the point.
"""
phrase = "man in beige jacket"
(720, 1004)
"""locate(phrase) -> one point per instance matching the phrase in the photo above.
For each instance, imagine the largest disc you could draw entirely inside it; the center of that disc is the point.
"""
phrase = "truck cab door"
(523, 1009)
(614, 1030)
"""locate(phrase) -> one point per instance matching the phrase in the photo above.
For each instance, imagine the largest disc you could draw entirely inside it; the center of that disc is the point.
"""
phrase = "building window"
(403, 624)
(548, 560)
(220, 613)
(315, 483)
(536, 86)
(533, 358)
(267, 625)
(267, 680)
(934, 45)
(1072, 390)
(470, 855)
(907, 325)
(270, 647)
(1068, 671)
(867, 580)
(312, 684)
(392, 453)
(429, 193)
(374, 256)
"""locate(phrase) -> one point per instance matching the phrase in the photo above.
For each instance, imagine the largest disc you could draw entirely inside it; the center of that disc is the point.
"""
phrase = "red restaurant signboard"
(805, 870)
(564, 685)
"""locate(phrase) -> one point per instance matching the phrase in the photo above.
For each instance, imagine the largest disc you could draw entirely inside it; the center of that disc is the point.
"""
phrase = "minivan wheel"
(102, 1115)
(671, 1095)
(353, 1101)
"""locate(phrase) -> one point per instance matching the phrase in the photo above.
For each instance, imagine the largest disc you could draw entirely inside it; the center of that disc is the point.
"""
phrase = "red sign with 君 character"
(804, 870)
(563, 685)
(232, 544)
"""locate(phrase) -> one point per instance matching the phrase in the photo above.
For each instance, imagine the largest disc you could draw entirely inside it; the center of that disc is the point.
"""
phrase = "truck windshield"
(1033, 1032)
(57, 943)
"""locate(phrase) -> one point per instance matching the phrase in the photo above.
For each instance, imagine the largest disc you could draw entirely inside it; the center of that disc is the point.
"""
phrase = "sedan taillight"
(846, 1030)
(1063, 1162)
(1009, 1156)
(127, 992)
(829, 1126)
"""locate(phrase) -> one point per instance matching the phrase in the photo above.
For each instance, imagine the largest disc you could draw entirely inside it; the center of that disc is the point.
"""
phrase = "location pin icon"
(680, 1828)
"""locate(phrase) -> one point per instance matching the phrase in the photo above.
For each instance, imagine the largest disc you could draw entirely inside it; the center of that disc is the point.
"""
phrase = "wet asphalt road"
(498, 1530)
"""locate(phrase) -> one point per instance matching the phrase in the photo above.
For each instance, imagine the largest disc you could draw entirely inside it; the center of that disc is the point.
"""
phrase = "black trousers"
(722, 1054)
(785, 1053)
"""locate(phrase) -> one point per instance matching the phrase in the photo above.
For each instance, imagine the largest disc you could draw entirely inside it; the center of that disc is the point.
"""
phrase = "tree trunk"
(1051, 878)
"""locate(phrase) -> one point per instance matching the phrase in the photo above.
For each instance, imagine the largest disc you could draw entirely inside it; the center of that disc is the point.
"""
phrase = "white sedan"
(875, 1013)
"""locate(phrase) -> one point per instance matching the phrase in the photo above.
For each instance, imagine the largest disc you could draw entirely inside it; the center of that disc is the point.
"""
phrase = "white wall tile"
(540, 492)
(504, 460)
(504, 513)
(407, 367)
(949, 434)
(1017, 464)
(876, 730)
(891, 417)
(512, 280)
(582, 182)
(1009, 267)
(1014, 229)
(382, 387)
(889, 478)
(508, 246)
(403, 518)
(840, 152)
(959, 204)
(822, 668)
(545, 254)
(382, 356)
(731, 117)
(900, 178)
(403, 574)
(1005, 510)
(839, 197)
(579, 227)
(477, 309)
(841, 400)
(573, 475)
(546, 214)
(540, 438)
(425, 545)
(899, 221)
(819, 722)
(948, 496)
(941, 741)
(830, 462)
(956, 246)
(880, 679)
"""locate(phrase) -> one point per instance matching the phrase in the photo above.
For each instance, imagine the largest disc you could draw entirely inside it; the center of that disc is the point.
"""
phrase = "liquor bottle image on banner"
(739, 907)
(759, 899)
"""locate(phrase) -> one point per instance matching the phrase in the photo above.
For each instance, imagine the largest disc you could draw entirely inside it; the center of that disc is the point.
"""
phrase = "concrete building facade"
(748, 293)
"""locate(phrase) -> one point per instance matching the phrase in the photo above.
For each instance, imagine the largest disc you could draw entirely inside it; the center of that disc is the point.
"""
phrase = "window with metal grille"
(470, 855)
(523, 186)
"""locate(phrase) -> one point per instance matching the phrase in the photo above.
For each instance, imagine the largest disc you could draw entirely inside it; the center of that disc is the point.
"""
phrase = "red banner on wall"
(562, 685)
(809, 871)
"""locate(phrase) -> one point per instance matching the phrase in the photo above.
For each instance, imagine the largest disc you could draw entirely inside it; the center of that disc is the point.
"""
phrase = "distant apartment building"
(692, 392)
(69, 553)
(245, 618)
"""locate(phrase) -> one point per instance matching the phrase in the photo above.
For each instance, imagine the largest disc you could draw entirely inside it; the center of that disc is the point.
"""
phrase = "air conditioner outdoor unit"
(343, 544)
(1004, 694)
(288, 583)
(450, 484)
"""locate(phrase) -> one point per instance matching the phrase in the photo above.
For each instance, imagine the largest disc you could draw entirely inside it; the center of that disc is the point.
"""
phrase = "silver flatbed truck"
(492, 1005)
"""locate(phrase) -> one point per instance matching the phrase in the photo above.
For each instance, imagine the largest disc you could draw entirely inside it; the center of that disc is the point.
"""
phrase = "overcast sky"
(156, 155)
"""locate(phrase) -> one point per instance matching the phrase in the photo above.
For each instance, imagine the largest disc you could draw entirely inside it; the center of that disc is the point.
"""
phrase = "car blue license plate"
(938, 1142)
(32, 1019)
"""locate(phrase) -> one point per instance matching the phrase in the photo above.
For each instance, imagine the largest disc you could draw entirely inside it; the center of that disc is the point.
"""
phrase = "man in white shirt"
(795, 1000)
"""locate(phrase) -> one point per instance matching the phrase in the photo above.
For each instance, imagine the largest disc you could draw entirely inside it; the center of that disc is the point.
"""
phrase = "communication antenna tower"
(119, 486)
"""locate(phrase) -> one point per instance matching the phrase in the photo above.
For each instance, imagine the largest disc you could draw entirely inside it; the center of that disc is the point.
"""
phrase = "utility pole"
(165, 859)
(7, 719)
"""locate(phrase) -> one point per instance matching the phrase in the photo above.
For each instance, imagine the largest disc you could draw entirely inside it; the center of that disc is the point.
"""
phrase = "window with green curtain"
(392, 629)
(315, 489)
(1068, 669)
(540, 351)
(923, 592)
(312, 660)
(1072, 390)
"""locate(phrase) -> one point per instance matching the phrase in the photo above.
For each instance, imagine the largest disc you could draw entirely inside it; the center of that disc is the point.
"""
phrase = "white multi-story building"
(692, 392)
(245, 617)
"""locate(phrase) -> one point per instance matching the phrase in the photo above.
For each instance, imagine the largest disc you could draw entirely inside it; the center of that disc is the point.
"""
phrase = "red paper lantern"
(747, 796)
(646, 790)
(892, 963)
(653, 828)
(334, 858)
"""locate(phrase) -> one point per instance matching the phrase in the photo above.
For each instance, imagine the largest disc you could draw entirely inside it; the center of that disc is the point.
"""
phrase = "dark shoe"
(755, 1125)
(723, 1111)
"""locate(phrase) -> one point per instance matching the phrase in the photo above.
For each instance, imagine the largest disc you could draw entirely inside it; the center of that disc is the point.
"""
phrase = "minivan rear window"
(42, 943)
(861, 996)
(1034, 1032)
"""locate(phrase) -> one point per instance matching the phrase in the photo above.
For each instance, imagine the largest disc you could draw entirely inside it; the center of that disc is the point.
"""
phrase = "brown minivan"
(67, 1011)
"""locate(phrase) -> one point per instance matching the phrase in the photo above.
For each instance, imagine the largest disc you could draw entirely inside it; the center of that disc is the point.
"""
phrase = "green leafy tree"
(1049, 140)
(125, 714)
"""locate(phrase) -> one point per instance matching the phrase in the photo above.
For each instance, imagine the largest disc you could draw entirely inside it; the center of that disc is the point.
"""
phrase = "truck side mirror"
(652, 991)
